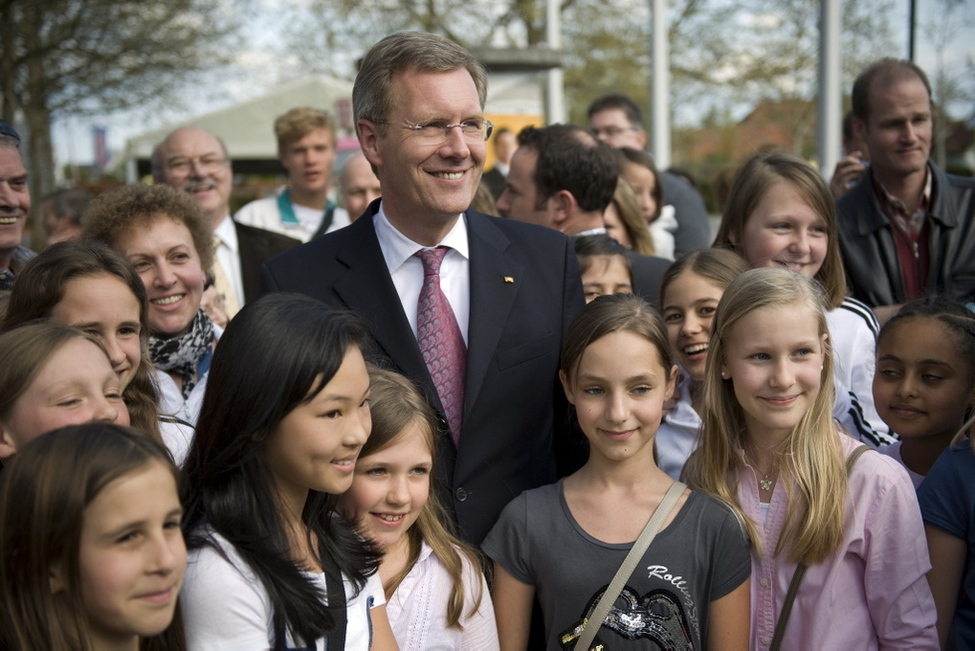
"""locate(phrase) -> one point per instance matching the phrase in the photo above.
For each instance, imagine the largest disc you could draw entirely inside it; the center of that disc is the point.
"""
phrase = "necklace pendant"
(766, 484)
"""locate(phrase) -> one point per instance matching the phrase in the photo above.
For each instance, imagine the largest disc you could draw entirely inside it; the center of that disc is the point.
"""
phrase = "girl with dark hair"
(925, 391)
(272, 566)
(604, 265)
(564, 542)
(52, 376)
(436, 594)
(689, 294)
(86, 285)
(924, 388)
(91, 552)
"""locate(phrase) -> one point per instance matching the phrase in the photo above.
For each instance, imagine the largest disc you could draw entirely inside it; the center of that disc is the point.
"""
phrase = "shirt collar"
(591, 231)
(227, 233)
(896, 211)
(397, 248)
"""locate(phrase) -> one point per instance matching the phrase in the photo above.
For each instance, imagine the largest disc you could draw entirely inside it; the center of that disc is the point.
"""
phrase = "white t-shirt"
(417, 611)
(171, 401)
(178, 436)
(853, 332)
(264, 213)
(226, 608)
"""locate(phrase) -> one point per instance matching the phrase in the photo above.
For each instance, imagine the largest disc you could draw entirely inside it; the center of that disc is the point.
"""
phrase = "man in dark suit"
(197, 162)
(504, 292)
(563, 178)
(616, 119)
(504, 147)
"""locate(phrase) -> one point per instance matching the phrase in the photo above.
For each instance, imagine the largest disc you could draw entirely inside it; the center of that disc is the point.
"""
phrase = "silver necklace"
(765, 482)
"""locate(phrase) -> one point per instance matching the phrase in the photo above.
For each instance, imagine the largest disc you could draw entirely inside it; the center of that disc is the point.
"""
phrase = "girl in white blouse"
(436, 594)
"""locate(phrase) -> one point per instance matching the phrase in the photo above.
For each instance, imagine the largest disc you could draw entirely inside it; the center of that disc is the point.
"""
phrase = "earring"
(724, 375)
(822, 367)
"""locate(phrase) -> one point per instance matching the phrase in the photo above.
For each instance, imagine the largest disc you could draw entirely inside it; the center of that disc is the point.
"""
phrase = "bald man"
(358, 185)
(196, 161)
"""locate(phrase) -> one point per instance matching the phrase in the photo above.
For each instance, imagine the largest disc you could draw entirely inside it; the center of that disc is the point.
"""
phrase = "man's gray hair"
(372, 94)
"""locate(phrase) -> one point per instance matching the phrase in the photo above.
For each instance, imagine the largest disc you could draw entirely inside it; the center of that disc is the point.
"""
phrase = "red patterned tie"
(440, 339)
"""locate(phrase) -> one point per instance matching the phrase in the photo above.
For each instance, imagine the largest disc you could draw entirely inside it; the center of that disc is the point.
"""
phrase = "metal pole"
(911, 17)
(659, 85)
(553, 36)
(830, 96)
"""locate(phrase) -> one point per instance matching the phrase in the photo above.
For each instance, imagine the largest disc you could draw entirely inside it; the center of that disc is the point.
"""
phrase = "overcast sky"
(260, 66)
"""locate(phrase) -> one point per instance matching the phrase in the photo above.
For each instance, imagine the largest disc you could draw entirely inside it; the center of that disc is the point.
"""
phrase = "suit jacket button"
(460, 494)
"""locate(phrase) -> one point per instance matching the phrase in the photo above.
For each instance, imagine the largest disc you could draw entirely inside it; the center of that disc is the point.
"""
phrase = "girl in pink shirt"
(771, 449)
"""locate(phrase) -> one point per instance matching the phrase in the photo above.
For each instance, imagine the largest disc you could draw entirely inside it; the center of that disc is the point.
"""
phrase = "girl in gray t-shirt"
(564, 542)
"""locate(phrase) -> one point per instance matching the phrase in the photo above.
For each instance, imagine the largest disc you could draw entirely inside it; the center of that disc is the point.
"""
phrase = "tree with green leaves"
(72, 57)
(722, 53)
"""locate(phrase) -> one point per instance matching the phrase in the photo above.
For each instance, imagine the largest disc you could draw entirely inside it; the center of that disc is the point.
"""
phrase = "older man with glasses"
(472, 308)
(196, 161)
(616, 119)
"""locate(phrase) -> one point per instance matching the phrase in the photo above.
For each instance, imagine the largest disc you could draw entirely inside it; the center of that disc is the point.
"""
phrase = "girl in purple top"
(771, 449)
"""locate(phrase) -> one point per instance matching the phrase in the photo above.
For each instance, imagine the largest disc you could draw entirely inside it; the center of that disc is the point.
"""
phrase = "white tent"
(247, 128)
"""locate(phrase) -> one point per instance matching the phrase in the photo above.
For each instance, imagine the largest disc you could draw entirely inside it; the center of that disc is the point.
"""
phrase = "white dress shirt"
(228, 256)
(407, 271)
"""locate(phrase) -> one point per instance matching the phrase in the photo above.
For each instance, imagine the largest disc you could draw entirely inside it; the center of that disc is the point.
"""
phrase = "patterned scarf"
(181, 355)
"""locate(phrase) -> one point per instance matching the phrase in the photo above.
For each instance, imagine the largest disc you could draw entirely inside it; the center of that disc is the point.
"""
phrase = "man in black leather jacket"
(909, 228)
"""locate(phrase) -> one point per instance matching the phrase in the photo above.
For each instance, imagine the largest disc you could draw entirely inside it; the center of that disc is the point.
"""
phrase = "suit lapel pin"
(509, 279)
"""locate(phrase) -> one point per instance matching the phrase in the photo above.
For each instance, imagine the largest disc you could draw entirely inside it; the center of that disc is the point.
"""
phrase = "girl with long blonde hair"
(848, 537)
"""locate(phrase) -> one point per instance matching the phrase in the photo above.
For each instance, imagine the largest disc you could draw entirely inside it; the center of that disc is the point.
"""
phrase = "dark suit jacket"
(525, 289)
(648, 271)
(257, 246)
(495, 181)
(693, 229)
